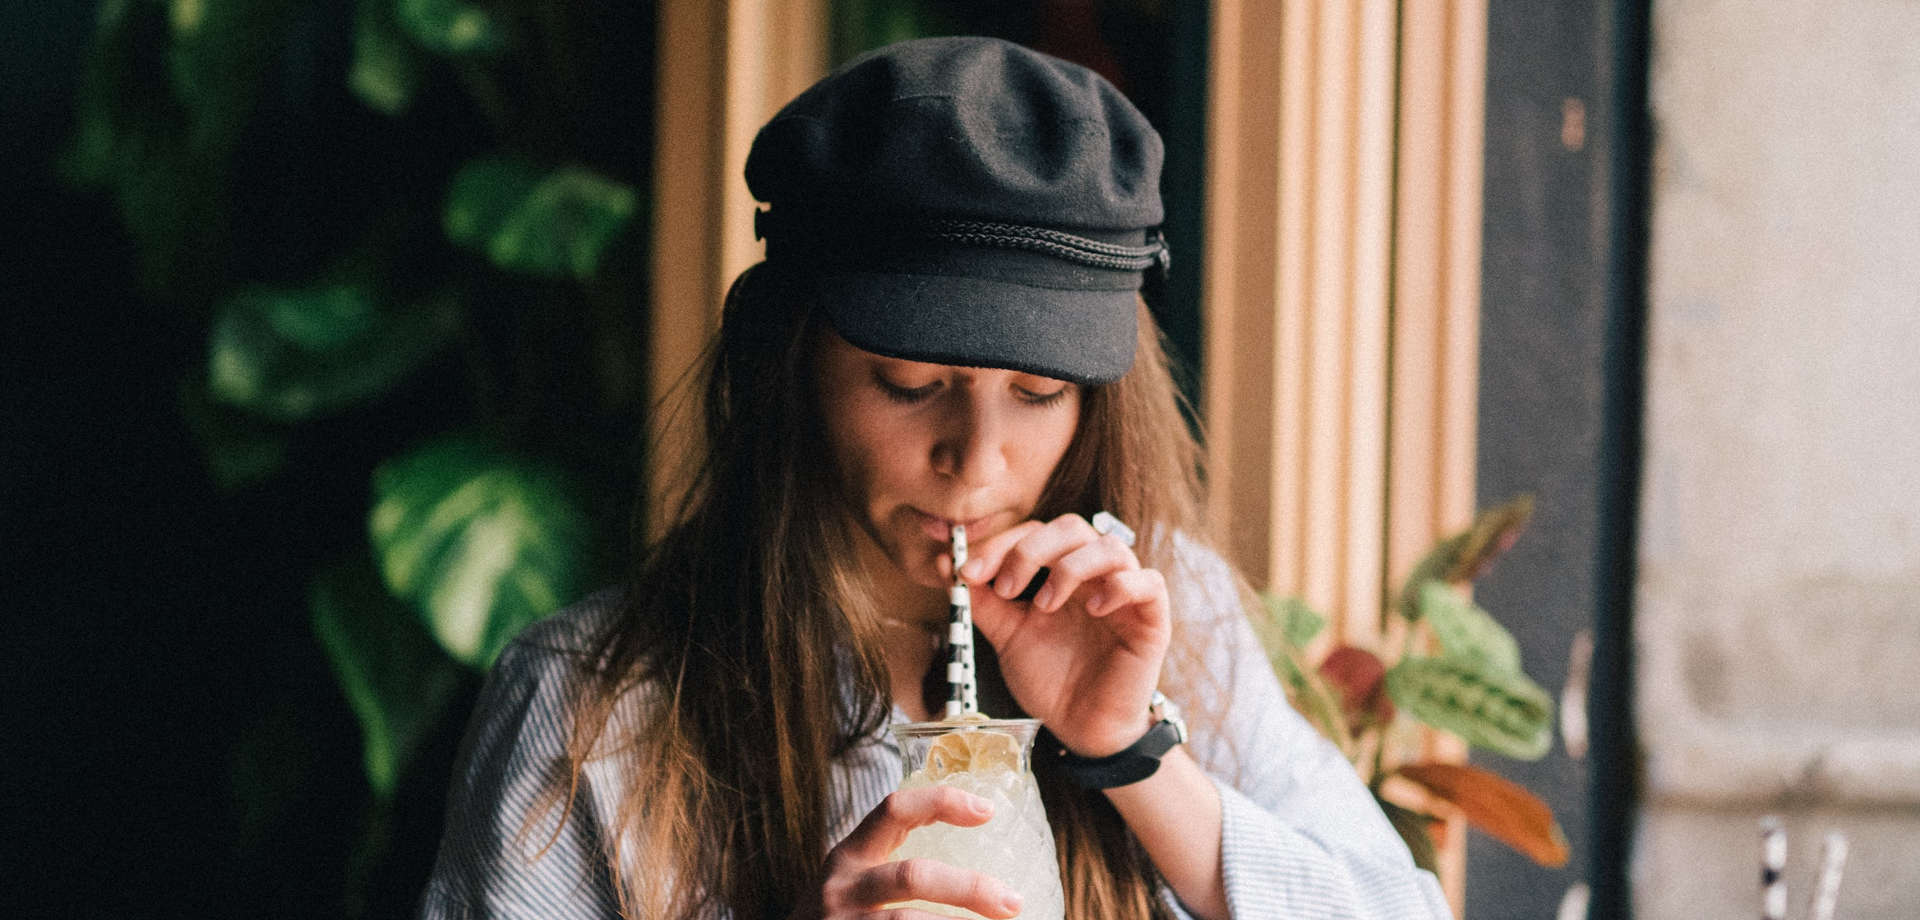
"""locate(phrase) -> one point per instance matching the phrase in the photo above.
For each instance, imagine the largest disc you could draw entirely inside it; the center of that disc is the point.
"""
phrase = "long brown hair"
(753, 650)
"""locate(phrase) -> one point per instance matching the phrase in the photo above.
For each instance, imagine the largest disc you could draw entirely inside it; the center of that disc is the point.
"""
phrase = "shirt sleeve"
(1301, 836)
(506, 853)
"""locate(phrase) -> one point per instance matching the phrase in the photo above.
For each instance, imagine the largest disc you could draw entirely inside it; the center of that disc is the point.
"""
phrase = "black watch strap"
(1129, 765)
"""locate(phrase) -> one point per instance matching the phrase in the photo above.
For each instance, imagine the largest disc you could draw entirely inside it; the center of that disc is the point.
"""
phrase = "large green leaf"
(1499, 710)
(553, 224)
(397, 681)
(1465, 630)
(480, 542)
(385, 72)
(452, 27)
(299, 353)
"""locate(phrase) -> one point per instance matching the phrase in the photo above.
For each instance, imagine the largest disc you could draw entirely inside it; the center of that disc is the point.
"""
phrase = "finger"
(886, 826)
(1143, 592)
(935, 881)
(1040, 547)
(1105, 555)
(983, 558)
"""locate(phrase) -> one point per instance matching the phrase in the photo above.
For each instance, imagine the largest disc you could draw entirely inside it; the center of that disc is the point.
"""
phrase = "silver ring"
(1107, 525)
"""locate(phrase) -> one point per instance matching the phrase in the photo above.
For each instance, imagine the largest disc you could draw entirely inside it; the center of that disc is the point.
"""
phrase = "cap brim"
(1083, 336)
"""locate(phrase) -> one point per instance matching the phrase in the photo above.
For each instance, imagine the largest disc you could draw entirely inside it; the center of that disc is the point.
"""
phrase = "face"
(921, 447)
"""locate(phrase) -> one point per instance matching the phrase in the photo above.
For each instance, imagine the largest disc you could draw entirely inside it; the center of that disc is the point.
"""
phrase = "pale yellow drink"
(989, 758)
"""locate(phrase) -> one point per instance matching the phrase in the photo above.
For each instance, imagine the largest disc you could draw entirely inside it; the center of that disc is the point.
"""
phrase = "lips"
(940, 529)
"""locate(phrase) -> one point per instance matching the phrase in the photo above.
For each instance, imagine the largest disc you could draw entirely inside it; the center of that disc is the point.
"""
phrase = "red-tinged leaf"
(1361, 680)
(1493, 532)
(1503, 809)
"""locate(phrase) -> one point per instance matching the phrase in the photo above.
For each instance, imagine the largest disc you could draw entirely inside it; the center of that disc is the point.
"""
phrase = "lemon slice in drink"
(992, 751)
(972, 751)
(949, 755)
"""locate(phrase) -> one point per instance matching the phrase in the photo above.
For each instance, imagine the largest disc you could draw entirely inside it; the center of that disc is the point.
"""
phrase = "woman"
(947, 331)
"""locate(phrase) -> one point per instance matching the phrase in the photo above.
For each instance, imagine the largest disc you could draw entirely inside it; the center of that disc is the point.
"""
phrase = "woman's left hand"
(1084, 656)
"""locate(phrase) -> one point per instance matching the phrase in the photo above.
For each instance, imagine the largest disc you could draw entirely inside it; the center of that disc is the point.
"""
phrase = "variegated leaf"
(1465, 630)
(1499, 710)
(480, 542)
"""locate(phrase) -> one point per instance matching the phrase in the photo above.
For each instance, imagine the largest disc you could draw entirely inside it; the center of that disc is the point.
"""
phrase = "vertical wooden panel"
(1367, 409)
(1364, 381)
(1420, 284)
(686, 219)
(1460, 328)
(724, 68)
(1436, 275)
(1325, 313)
(1239, 334)
(1286, 396)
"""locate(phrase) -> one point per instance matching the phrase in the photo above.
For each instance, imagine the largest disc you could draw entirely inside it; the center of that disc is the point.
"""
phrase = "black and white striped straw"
(1773, 865)
(964, 697)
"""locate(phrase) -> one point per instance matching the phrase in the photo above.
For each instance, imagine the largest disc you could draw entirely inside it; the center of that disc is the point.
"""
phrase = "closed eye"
(1032, 398)
(901, 394)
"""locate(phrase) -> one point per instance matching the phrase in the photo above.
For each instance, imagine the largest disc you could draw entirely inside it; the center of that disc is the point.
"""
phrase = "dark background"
(151, 630)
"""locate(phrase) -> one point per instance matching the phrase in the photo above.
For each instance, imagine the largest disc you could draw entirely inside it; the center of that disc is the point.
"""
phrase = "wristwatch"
(1133, 763)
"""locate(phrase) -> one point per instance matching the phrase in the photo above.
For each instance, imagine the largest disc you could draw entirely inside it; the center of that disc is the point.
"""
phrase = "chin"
(921, 568)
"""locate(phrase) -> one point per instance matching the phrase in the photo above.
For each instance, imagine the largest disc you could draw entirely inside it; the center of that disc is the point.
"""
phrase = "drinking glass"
(990, 758)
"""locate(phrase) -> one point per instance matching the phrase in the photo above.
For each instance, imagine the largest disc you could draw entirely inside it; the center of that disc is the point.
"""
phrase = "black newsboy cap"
(967, 201)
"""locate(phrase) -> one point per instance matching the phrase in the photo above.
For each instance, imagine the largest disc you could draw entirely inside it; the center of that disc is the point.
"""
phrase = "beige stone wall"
(1778, 607)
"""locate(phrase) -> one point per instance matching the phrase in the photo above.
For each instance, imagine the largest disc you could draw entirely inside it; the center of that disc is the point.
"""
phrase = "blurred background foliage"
(405, 240)
(345, 388)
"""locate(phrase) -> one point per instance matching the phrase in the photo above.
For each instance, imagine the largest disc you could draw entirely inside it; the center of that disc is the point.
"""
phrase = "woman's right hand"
(860, 877)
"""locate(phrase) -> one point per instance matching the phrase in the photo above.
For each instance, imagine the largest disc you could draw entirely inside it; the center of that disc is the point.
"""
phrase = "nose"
(973, 442)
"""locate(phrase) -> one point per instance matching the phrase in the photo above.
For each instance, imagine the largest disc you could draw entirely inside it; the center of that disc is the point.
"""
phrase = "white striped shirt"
(1301, 837)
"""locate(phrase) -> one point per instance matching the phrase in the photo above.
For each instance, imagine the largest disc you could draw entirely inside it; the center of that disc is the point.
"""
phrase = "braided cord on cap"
(1069, 247)
(1057, 243)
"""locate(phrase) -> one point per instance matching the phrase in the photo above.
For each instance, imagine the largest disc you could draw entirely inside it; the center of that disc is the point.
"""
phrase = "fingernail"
(1010, 902)
(1044, 599)
(1003, 586)
(982, 807)
(972, 569)
(1094, 602)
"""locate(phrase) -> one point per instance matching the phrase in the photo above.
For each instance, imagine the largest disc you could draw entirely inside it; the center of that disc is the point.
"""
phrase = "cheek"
(870, 462)
(1050, 447)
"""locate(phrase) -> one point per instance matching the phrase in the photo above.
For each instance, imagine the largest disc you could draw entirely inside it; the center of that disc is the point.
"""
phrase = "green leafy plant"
(1448, 665)
(402, 240)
